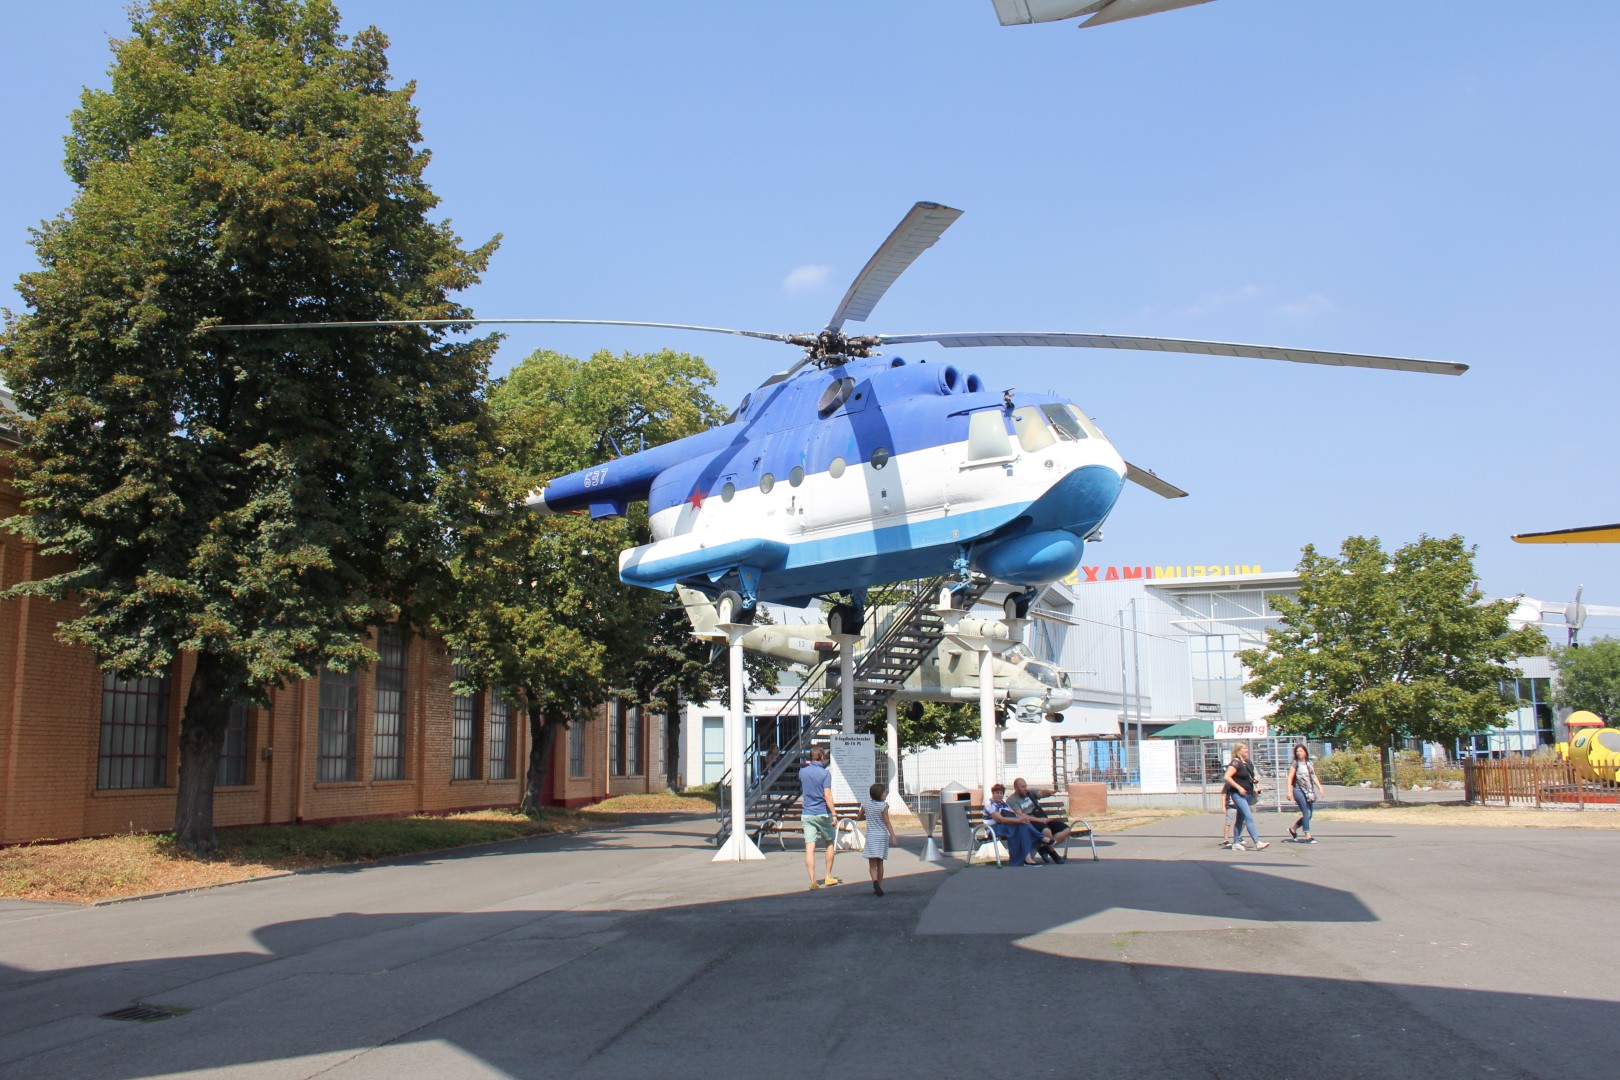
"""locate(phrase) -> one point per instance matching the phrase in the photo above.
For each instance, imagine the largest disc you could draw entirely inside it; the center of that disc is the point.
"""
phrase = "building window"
(1009, 751)
(388, 731)
(500, 738)
(134, 733)
(616, 740)
(635, 749)
(465, 710)
(233, 752)
(340, 702)
(575, 734)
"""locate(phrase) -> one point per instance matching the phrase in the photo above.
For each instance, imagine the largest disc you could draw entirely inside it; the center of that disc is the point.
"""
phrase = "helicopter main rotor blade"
(1150, 480)
(1180, 345)
(915, 234)
(369, 324)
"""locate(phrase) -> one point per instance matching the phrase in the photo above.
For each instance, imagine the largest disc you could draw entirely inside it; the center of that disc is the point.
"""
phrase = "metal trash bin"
(956, 834)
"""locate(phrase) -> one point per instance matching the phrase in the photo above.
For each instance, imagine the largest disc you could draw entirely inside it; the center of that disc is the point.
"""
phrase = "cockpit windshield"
(1048, 674)
(1064, 422)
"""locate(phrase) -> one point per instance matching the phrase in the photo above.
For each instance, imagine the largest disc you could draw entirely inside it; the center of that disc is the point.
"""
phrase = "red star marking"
(696, 498)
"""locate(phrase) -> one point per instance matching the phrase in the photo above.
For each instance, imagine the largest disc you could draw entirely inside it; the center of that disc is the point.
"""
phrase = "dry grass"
(1486, 816)
(114, 867)
(663, 802)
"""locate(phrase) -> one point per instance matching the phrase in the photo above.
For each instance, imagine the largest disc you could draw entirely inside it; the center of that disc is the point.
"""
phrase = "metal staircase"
(911, 631)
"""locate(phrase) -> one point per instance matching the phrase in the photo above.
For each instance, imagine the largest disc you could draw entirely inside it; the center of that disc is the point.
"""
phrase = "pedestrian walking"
(879, 831)
(1244, 787)
(1306, 786)
(817, 813)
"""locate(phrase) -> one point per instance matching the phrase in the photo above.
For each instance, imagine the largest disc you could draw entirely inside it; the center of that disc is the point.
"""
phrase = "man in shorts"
(816, 814)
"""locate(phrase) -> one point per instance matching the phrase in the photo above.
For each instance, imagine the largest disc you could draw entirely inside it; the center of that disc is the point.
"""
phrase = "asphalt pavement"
(1381, 951)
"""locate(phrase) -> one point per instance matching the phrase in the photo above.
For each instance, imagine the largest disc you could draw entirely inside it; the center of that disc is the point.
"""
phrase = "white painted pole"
(846, 681)
(988, 749)
(896, 801)
(739, 846)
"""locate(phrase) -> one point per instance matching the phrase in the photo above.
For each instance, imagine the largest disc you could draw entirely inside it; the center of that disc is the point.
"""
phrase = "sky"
(1434, 180)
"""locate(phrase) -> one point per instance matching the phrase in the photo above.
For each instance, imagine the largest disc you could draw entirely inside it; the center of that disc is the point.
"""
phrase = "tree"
(1377, 647)
(540, 614)
(1589, 677)
(257, 500)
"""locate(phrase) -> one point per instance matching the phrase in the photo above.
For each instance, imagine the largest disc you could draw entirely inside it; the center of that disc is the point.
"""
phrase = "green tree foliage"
(255, 499)
(1589, 678)
(1378, 647)
(540, 613)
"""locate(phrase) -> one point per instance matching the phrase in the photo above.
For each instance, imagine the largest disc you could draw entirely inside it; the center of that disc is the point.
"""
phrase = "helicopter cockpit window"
(1085, 422)
(1033, 434)
(766, 482)
(1065, 422)
(880, 457)
(1047, 674)
(796, 477)
(835, 395)
(987, 436)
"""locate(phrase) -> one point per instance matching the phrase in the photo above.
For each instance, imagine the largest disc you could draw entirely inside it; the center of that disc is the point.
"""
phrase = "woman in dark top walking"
(1240, 781)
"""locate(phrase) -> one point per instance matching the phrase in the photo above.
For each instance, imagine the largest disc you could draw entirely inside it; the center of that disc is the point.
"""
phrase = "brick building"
(85, 754)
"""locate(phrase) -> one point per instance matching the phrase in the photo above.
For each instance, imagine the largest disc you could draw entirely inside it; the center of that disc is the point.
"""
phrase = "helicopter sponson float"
(852, 469)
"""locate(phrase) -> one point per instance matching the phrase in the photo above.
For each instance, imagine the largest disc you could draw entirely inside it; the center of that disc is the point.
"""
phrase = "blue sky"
(1432, 179)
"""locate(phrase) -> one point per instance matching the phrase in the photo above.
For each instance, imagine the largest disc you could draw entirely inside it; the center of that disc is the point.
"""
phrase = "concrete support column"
(739, 846)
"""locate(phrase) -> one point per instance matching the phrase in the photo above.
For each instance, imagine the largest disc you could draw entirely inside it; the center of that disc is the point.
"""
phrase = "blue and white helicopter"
(852, 469)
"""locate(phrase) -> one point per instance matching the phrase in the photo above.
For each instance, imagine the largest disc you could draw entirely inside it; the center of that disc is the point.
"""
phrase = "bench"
(984, 834)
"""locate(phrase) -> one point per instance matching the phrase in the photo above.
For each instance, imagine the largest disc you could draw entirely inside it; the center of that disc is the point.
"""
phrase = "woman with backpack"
(1241, 783)
(1303, 782)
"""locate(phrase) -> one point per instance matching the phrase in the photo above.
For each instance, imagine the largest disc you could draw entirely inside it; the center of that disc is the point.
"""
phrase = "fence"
(1526, 782)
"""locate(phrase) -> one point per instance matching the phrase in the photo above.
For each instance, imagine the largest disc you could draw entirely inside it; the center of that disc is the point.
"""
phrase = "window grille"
(464, 729)
(500, 738)
(134, 733)
(575, 734)
(340, 703)
(388, 729)
(233, 752)
(635, 751)
(616, 740)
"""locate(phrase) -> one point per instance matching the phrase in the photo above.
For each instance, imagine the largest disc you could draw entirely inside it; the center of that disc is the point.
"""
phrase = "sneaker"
(1262, 845)
(1059, 858)
(815, 884)
(1225, 843)
(1310, 840)
(829, 882)
(1239, 847)
(1293, 833)
(877, 888)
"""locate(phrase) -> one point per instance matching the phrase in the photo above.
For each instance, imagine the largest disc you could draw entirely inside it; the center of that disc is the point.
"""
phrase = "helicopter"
(1027, 689)
(852, 469)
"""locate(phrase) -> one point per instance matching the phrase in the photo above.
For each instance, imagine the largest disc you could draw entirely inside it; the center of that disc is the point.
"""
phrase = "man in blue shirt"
(816, 814)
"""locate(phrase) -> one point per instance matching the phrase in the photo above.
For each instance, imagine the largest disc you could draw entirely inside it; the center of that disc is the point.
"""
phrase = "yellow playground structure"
(1593, 747)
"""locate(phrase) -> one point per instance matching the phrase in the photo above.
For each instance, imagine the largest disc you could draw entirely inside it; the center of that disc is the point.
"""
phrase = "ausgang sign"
(1242, 729)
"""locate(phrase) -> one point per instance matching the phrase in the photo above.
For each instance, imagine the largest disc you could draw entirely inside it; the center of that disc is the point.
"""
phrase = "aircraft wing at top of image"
(1024, 12)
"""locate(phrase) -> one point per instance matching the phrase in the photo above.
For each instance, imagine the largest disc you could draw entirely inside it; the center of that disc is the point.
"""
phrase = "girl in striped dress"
(879, 828)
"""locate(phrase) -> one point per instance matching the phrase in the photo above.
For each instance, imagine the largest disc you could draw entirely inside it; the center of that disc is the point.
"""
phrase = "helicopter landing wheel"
(844, 619)
(732, 608)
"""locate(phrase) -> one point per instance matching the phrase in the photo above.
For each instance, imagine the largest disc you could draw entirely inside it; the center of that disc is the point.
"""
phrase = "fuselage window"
(728, 491)
(796, 477)
(1033, 434)
(766, 482)
(880, 457)
(1066, 424)
(836, 468)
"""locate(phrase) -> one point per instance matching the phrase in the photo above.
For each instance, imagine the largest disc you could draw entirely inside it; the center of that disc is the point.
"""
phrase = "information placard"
(1158, 767)
(854, 768)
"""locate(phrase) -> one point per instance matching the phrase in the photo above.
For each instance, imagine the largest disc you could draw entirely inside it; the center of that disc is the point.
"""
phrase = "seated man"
(1053, 830)
(1022, 837)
